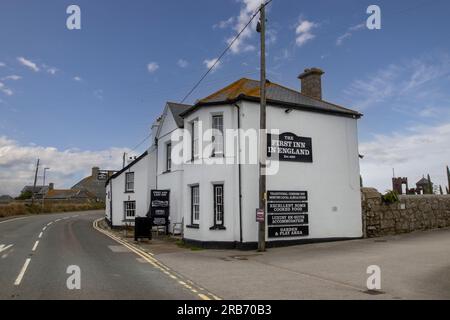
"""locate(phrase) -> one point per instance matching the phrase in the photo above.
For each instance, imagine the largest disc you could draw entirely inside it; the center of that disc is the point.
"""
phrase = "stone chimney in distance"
(51, 186)
(95, 171)
(312, 83)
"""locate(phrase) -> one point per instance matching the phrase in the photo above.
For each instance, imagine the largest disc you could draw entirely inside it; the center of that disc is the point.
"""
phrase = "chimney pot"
(311, 81)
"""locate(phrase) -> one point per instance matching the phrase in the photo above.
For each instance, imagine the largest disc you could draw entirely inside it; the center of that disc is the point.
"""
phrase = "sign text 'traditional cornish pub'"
(289, 147)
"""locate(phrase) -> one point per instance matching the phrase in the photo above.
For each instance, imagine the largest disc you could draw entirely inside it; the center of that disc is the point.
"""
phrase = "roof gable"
(248, 89)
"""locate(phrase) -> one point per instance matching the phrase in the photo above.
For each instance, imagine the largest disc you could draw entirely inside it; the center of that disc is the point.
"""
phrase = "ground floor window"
(218, 204)
(130, 209)
(195, 205)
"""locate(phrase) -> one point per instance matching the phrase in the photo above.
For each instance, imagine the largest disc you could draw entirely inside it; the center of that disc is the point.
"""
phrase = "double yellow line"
(148, 257)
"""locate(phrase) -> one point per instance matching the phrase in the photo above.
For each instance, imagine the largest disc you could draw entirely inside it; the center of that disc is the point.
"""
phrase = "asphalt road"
(108, 270)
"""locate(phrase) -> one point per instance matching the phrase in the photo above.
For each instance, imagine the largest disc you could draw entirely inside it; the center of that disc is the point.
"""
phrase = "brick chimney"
(95, 171)
(312, 82)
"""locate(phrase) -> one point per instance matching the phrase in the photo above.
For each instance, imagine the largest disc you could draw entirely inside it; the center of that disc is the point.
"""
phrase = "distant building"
(424, 186)
(6, 199)
(95, 183)
(70, 194)
(38, 191)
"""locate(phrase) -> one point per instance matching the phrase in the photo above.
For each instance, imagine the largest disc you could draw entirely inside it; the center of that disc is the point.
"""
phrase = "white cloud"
(182, 63)
(2, 64)
(52, 71)
(12, 77)
(28, 63)
(304, 31)
(210, 63)
(349, 33)
(404, 84)
(7, 91)
(224, 24)
(152, 67)
(248, 8)
(17, 164)
(77, 78)
(412, 153)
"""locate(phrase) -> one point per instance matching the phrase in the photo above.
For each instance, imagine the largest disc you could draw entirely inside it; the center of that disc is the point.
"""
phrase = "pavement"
(413, 266)
(36, 252)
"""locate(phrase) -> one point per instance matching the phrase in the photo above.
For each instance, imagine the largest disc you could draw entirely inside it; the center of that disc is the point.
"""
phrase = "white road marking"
(5, 247)
(50, 223)
(40, 235)
(43, 229)
(35, 246)
(22, 272)
(57, 220)
(10, 220)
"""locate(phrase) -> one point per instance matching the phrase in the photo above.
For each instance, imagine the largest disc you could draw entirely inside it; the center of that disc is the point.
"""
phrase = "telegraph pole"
(35, 180)
(262, 132)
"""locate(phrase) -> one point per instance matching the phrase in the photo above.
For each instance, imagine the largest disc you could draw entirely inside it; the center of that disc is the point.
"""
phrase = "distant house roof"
(423, 181)
(177, 109)
(248, 89)
(118, 173)
(37, 189)
(69, 194)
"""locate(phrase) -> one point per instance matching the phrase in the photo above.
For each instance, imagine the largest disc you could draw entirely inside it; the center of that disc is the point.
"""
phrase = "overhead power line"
(212, 67)
(223, 53)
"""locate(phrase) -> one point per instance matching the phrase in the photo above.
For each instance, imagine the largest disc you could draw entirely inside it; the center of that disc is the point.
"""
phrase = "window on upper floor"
(168, 157)
(217, 137)
(194, 139)
(129, 182)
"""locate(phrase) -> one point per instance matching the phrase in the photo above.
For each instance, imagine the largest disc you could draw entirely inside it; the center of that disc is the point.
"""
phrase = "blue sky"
(86, 95)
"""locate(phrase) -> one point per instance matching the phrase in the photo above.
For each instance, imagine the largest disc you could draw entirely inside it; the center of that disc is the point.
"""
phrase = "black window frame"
(193, 221)
(127, 174)
(218, 225)
(125, 217)
(169, 157)
(214, 151)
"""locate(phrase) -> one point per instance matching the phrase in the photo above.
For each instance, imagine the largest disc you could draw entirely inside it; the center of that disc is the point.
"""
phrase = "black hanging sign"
(287, 232)
(287, 207)
(289, 147)
(159, 207)
(287, 219)
(287, 196)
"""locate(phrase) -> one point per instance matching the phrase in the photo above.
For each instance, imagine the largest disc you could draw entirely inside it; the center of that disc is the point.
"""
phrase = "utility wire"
(212, 67)
(223, 53)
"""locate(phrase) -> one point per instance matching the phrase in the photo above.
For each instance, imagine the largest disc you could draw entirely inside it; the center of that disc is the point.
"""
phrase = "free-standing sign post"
(287, 214)
(160, 208)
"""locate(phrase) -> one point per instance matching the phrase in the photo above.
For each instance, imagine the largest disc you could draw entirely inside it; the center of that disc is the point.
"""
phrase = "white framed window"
(168, 157)
(195, 205)
(194, 137)
(129, 182)
(129, 209)
(218, 204)
(217, 138)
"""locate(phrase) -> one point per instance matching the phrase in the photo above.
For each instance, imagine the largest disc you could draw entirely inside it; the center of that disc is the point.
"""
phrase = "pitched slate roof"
(248, 89)
(118, 173)
(177, 109)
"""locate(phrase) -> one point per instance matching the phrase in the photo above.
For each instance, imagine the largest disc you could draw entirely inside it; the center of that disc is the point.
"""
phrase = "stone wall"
(411, 213)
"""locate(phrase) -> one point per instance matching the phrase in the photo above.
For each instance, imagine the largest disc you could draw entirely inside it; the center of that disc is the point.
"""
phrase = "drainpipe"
(239, 169)
(110, 203)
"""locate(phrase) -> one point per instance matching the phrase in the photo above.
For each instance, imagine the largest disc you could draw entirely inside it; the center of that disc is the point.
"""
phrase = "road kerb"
(149, 257)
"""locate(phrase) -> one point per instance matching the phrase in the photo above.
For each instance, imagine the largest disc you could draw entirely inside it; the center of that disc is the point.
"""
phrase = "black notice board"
(288, 232)
(287, 219)
(142, 228)
(286, 196)
(289, 147)
(160, 208)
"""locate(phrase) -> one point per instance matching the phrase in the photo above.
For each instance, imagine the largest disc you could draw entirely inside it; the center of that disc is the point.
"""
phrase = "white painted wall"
(170, 180)
(332, 180)
(142, 181)
(196, 173)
